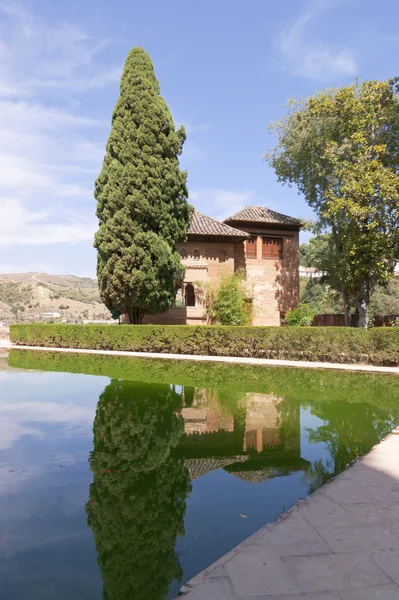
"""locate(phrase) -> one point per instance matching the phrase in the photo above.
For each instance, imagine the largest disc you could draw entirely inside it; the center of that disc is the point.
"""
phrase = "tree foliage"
(141, 198)
(321, 297)
(340, 147)
(322, 294)
(137, 498)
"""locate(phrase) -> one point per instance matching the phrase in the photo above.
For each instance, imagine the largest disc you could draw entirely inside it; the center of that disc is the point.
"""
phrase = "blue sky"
(226, 69)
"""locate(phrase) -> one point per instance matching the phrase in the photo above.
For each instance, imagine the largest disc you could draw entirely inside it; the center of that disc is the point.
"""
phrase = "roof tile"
(261, 214)
(203, 225)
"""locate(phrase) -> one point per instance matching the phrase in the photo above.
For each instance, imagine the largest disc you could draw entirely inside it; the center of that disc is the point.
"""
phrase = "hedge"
(308, 385)
(345, 345)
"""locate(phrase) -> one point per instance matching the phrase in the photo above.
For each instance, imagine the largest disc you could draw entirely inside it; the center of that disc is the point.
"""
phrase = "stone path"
(220, 359)
(342, 543)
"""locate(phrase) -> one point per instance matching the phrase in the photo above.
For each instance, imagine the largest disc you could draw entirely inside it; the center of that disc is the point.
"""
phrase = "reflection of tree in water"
(137, 498)
(349, 431)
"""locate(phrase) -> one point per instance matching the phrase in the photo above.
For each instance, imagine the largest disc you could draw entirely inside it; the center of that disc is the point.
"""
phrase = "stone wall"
(190, 315)
(274, 283)
(217, 257)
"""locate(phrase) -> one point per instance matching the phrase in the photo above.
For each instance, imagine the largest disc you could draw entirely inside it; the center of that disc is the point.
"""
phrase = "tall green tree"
(341, 149)
(141, 197)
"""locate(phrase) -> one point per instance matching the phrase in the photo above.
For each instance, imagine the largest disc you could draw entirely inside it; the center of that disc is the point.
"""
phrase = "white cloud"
(19, 226)
(314, 59)
(53, 55)
(220, 204)
(50, 152)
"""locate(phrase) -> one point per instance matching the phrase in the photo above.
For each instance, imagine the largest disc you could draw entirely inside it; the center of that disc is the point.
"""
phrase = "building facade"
(261, 242)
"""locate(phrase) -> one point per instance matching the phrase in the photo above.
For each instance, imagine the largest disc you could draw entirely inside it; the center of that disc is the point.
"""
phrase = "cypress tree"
(141, 198)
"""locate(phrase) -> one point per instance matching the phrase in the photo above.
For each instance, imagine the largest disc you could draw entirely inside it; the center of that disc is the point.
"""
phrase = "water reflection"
(137, 498)
(179, 474)
(254, 439)
(347, 431)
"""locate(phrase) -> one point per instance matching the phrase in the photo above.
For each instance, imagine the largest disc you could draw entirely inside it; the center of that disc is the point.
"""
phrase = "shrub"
(301, 316)
(332, 344)
(228, 303)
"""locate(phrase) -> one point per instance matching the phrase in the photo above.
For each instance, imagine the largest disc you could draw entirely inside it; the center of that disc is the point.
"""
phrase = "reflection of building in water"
(205, 414)
(197, 467)
(259, 441)
(262, 422)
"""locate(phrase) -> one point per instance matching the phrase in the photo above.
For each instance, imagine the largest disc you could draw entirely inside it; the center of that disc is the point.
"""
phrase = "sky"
(226, 69)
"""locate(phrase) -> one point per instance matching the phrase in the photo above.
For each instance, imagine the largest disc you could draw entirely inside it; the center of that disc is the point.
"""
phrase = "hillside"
(29, 296)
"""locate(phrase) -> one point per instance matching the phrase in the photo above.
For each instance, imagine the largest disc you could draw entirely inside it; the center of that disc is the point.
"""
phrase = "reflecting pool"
(122, 478)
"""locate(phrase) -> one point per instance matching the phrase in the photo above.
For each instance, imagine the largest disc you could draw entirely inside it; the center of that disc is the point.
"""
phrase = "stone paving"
(342, 543)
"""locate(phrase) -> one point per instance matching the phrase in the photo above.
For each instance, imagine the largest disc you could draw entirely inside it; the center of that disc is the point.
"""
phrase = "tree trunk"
(363, 306)
(347, 309)
(135, 315)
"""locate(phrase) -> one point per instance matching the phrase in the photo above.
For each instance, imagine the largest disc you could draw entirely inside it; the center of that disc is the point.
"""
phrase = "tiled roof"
(261, 214)
(203, 225)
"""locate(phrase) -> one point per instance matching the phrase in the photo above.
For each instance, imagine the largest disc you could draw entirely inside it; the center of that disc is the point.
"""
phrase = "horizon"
(225, 72)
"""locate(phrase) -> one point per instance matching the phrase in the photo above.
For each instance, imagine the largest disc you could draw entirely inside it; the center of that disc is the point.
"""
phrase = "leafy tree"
(141, 198)
(321, 294)
(385, 299)
(340, 147)
(321, 297)
(137, 498)
(304, 258)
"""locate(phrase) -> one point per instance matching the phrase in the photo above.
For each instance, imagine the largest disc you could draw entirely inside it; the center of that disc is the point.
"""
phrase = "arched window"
(222, 256)
(183, 254)
(190, 295)
(196, 254)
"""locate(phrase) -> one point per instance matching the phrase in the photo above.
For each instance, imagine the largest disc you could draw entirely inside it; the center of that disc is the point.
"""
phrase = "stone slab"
(320, 509)
(217, 589)
(384, 515)
(295, 536)
(388, 561)
(360, 537)
(323, 596)
(320, 573)
(259, 569)
(381, 592)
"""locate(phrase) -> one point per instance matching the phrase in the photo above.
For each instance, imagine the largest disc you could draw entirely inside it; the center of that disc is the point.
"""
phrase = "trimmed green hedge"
(379, 346)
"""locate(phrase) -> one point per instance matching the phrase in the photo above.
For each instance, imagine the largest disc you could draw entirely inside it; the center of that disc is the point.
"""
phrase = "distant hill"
(29, 296)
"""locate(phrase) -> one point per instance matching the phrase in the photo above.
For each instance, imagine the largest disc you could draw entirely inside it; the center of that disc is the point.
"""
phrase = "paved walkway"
(342, 543)
(220, 359)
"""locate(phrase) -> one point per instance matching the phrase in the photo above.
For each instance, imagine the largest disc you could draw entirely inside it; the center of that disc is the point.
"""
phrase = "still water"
(124, 483)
